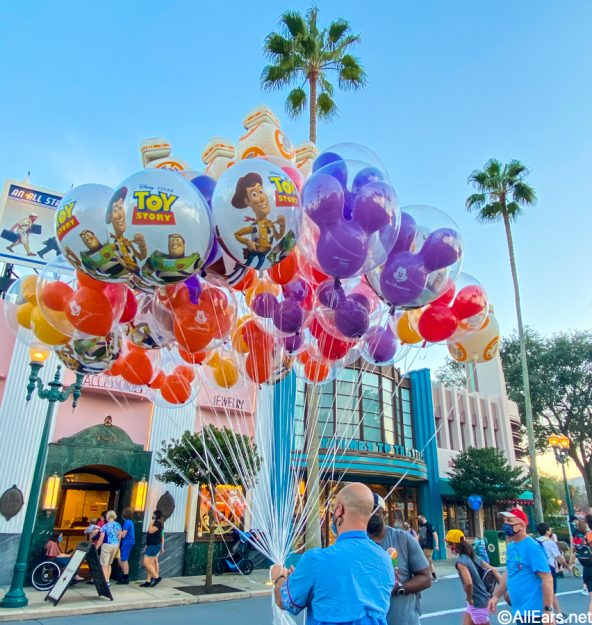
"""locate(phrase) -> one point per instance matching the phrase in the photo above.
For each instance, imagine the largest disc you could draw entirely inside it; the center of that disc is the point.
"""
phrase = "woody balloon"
(256, 208)
(160, 225)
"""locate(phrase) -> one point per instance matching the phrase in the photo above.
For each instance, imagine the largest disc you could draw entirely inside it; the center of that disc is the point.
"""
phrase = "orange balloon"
(194, 359)
(186, 371)
(176, 389)
(304, 356)
(158, 380)
(316, 371)
(262, 286)
(85, 280)
(258, 369)
(252, 333)
(55, 295)
(222, 323)
(116, 368)
(137, 368)
(246, 281)
(29, 288)
(191, 339)
(213, 299)
(284, 271)
(89, 311)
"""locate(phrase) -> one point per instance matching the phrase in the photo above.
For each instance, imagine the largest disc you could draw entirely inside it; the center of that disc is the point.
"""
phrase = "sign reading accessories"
(356, 444)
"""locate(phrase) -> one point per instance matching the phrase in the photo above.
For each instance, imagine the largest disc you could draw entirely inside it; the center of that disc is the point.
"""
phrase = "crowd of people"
(374, 574)
(114, 540)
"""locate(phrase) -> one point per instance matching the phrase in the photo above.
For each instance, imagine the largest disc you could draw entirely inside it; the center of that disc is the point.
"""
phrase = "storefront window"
(229, 509)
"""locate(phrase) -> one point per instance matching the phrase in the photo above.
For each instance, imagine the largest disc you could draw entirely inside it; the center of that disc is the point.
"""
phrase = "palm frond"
(493, 168)
(351, 73)
(516, 170)
(296, 102)
(294, 23)
(475, 201)
(336, 30)
(514, 210)
(311, 21)
(326, 107)
(325, 84)
(523, 193)
(277, 76)
(276, 45)
(490, 212)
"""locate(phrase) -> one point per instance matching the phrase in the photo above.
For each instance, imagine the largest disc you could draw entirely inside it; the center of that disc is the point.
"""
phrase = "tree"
(452, 373)
(207, 457)
(560, 391)
(303, 53)
(488, 473)
(551, 495)
(502, 194)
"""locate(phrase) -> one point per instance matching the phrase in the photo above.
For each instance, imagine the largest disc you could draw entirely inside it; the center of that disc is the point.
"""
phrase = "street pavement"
(442, 604)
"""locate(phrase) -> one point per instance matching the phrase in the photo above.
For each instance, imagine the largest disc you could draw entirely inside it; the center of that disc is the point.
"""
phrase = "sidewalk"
(83, 599)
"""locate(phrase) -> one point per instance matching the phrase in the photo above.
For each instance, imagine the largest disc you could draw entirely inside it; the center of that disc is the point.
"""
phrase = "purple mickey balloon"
(322, 199)
(330, 294)
(407, 233)
(205, 185)
(352, 318)
(297, 289)
(403, 278)
(366, 176)
(288, 316)
(215, 253)
(361, 299)
(264, 304)
(374, 205)
(292, 343)
(442, 248)
(342, 249)
(333, 165)
(348, 205)
(194, 288)
(381, 344)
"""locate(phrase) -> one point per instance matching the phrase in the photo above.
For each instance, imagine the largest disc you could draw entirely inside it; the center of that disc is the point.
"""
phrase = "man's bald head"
(358, 502)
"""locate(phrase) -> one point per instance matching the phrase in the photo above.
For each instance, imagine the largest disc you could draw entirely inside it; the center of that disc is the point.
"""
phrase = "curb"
(100, 606)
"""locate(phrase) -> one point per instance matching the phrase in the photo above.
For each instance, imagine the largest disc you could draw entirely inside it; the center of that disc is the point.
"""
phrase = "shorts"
(125, 550)
(152, 551)
(108, 554)
(554, 575)
(588, 583)
(479, 616)
(428, 554)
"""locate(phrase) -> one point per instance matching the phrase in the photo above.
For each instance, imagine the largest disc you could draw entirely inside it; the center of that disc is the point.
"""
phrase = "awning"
(524, 499)
(445, 488)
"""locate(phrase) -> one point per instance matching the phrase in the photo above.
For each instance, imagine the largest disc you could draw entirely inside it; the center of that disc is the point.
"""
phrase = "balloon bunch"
(229, 274)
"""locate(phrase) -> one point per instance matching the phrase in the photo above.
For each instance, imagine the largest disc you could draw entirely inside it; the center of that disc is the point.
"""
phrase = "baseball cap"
(379, 502)
(519, 514)
(455, 536)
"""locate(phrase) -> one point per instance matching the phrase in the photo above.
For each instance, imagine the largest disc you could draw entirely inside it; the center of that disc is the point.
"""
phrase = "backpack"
(584, 556)
(486, 575)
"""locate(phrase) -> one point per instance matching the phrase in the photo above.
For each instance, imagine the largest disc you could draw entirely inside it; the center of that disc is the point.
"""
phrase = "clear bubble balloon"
(91, 354)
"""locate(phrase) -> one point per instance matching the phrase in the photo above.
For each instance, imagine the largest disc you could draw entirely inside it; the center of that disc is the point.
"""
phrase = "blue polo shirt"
(348, 583)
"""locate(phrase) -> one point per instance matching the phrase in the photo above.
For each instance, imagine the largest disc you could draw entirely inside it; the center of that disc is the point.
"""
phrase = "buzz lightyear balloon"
(161, 227)
(257, 213)
(91, 354)
(83, 236)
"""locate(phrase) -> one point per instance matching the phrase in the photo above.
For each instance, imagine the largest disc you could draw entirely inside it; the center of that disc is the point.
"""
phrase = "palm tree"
(502, 193)
(302, 53)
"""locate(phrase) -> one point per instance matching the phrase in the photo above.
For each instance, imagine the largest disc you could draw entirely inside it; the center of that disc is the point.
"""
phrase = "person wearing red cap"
(528, 578)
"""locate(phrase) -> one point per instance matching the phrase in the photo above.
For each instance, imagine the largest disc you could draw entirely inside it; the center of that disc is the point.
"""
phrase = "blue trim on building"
(370, 464)
(430, 499)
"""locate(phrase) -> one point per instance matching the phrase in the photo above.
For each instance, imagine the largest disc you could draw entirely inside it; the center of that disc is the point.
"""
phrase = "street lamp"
(15, 597)
(560, 445)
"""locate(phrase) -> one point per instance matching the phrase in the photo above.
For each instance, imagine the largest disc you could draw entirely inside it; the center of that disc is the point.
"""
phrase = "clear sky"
(451, 84)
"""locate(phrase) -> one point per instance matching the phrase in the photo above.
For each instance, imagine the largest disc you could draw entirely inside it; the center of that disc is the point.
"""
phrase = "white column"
(456, 425)
(21, 425)
(168, 423)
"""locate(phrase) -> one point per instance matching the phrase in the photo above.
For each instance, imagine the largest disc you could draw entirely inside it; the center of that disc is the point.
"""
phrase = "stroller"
(236, 559)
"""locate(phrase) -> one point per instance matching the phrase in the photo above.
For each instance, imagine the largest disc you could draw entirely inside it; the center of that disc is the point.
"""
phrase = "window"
(229, 509)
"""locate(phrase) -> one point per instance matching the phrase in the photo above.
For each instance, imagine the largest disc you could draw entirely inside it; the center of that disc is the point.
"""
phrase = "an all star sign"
(154, 207)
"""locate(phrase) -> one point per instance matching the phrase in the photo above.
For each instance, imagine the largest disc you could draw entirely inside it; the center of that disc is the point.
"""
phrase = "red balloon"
(186, 371)
(332, 348)
(437, 323)
(258, 369)
(448, 294)
(195, 359)
(247, 281)
(131, 306)
(158, 381)
(55, 295)
(85, 280)
(213, 299)
(469, 301)
(137, 368)
(284, 271)
(89, 310)
(316, 329)
(176, 389)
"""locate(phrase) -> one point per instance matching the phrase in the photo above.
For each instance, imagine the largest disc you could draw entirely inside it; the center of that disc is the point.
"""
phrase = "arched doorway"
(88, 491)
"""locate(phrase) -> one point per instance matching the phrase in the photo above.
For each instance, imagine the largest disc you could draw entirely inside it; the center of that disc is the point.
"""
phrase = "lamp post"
(560, 445)
(15, 597)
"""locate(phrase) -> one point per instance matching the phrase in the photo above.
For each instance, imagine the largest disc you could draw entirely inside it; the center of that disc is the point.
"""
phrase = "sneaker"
(146, 585)
(156, 581)
(434, 578)
(585, 592)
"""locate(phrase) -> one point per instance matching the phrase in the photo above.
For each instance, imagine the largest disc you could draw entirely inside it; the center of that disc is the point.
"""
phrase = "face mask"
(60, 538)
(509, 530)
(375, 524)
